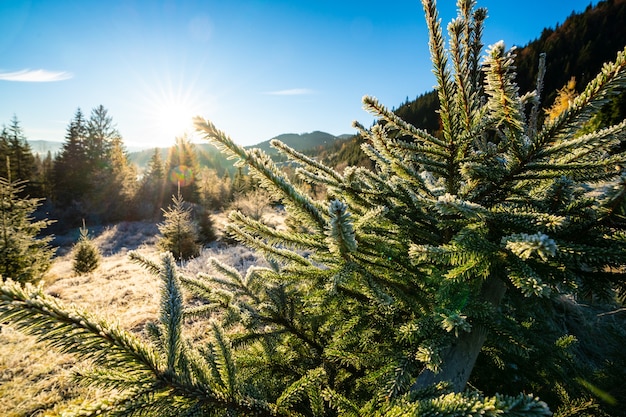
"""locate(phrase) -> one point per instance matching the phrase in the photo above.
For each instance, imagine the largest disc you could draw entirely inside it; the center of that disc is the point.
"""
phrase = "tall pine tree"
(92, 176)
(71, 168)
(101, 132)
(101, 140)
(120, 185)
(380, 298)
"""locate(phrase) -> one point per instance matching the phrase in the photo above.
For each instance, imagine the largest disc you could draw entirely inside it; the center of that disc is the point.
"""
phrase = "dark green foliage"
(92, 177)
(111, 178)
(577, 48)
(151, 191)
(86, 253)
(346, 153)
(423, 256)
(421, 112)
(43, 174)
(115, 198)
(101, 132)
(178, 232)
(566, 352)
(71, 168)
(170, 375)
(206, 228)
(24, 255)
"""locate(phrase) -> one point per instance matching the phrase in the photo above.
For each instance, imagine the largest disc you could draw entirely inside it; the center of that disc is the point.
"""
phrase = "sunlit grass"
(36, 380)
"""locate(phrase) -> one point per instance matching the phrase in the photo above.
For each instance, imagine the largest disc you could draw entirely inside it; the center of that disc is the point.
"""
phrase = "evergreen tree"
(71, 170)
(380, 299)
(106, 194)
(205, 225)
(92, 176)
(86, 254)
(178, 232)
(22, 161)
(119, 186)
(24, 256)
(101, 133)
(4, 152)
(44, 174)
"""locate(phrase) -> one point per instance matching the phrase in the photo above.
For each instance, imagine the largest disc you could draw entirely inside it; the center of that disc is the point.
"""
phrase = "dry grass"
(37, 381)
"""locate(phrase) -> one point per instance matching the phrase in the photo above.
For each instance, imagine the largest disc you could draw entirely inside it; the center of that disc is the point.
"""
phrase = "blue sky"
(255, 68)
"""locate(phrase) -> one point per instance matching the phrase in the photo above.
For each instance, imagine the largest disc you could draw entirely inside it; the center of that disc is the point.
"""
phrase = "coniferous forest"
(463, 256)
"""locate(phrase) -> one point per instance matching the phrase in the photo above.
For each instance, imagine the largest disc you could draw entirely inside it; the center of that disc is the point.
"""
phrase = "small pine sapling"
(178, 232)
(86, 254)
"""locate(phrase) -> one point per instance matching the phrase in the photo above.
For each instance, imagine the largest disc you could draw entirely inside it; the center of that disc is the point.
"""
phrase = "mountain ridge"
(208, 155)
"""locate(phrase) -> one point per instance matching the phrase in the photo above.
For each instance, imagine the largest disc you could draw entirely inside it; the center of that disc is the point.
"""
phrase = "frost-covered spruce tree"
(379, 299)
(423, 249)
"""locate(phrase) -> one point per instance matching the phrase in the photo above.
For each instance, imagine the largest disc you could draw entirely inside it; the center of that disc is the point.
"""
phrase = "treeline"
(92, 179)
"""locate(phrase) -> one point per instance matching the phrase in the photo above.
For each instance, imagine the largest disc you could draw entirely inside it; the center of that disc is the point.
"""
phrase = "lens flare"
(181, 175)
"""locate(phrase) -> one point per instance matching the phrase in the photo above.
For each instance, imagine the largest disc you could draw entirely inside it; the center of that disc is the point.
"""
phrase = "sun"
(169, 108)
(173, 118)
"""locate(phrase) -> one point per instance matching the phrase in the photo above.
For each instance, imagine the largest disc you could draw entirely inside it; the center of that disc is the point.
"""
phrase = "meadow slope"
(36, 380)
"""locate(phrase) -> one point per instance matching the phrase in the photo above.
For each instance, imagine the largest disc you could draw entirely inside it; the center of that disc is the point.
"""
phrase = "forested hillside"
(92, 179)
(577, 48)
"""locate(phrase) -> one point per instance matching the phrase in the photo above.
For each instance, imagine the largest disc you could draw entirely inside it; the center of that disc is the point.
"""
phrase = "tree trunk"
(459, 359)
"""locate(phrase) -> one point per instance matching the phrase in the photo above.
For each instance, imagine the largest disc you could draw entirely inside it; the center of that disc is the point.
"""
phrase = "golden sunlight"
(173, 118)
(169, 108)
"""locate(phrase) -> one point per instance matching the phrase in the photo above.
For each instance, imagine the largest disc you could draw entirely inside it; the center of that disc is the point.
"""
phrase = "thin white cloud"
(291, 92)
(35, 76)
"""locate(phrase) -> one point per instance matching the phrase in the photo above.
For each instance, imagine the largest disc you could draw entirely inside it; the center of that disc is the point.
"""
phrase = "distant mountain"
(209, 156)
(42, 147)
(300, 142)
